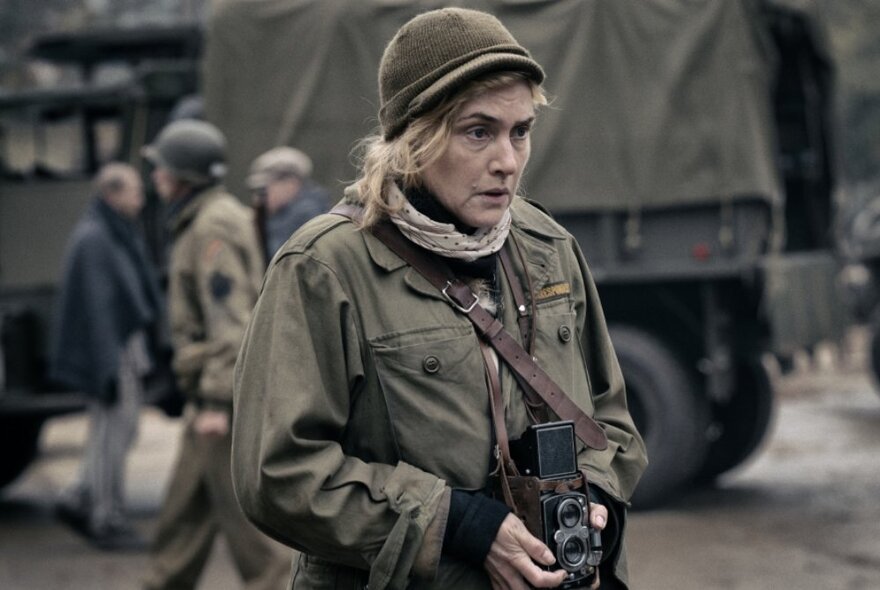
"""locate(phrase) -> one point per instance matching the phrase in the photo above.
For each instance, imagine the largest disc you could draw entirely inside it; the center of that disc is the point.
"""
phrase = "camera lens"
(571, 513)
(573, 554)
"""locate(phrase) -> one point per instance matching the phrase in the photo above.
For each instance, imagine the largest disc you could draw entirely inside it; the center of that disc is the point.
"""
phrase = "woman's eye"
(521, 132)
(478, 133)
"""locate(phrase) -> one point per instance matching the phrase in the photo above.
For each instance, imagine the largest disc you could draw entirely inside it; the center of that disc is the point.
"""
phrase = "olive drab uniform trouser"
(200, 503)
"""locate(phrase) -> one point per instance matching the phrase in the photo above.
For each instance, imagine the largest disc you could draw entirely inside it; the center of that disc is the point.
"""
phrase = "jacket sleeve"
(226, 295)
(616, 470)
(299, 366)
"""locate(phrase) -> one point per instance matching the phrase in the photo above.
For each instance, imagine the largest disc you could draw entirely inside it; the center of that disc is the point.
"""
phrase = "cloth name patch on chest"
(554, 291)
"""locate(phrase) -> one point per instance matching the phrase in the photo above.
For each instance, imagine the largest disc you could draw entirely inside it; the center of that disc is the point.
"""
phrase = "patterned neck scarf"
(443, 238)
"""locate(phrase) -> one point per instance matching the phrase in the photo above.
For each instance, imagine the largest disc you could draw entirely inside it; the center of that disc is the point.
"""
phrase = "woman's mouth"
(496, 193)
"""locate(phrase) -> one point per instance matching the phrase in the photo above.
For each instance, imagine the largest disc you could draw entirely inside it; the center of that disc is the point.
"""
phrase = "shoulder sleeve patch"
(221, 286)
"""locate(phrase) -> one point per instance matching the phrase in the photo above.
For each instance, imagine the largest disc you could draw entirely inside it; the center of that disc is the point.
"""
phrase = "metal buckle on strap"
(455, 303)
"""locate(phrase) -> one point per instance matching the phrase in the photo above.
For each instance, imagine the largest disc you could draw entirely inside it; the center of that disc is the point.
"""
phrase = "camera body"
(546, 453)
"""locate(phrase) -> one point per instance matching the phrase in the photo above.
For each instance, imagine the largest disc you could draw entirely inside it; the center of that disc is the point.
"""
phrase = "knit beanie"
(435, 54)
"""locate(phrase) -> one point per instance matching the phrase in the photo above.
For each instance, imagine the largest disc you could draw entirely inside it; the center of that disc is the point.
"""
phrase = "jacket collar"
(531, 218)
(185, 211)
(389, 261)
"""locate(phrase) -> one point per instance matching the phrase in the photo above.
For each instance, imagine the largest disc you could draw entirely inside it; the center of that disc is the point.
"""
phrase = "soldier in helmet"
(215, 271)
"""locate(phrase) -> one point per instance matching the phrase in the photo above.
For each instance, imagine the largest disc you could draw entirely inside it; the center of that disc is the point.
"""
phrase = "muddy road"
(804, 514)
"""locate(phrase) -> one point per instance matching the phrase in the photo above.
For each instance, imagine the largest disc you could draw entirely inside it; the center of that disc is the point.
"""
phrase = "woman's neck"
(427, 204)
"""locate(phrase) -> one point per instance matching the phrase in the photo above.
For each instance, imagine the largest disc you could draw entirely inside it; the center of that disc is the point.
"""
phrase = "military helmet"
(194, 151)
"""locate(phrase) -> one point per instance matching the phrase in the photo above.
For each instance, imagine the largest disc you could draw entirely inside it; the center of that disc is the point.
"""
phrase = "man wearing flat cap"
(284, 194)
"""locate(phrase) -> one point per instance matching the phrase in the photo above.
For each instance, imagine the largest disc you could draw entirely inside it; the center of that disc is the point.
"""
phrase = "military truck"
(687, 148)
(52, 141)
(859, 226)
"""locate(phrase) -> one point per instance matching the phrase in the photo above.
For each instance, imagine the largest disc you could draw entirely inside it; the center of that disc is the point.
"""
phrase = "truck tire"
(670, 416)
(874, 347)
(741, 425)
(19, 439)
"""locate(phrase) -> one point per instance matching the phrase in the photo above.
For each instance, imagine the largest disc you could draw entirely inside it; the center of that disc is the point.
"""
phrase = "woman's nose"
(504, 159)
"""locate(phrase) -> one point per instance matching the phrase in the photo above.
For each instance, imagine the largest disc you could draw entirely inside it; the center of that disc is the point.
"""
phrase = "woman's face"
(477, 175)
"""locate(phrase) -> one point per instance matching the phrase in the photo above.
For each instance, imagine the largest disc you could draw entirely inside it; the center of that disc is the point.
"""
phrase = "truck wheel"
(742, 424)
(874, 347)
(670, 416)
(19, 438)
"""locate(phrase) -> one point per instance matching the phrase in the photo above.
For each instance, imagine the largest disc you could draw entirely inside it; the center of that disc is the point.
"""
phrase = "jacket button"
(564, 333)
(431, 364)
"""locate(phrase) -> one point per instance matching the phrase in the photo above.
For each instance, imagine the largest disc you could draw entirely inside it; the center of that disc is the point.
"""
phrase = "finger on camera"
(533, 546)
(598, 516)
(538, 551)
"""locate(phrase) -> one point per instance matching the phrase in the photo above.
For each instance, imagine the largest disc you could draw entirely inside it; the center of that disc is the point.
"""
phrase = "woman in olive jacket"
(362, 428)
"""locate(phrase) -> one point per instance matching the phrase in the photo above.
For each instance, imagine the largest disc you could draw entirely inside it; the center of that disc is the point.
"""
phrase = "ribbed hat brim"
(468, 71)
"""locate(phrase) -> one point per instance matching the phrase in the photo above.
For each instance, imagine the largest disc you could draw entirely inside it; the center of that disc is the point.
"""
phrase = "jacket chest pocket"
(434, 387)
(559, 353)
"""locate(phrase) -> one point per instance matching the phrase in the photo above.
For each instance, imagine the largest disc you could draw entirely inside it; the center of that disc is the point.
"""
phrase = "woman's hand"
(598, 516)
(512, 556)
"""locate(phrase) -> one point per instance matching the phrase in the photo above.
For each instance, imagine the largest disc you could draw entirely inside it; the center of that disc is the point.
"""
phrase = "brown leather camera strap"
(489, 329)
(535, 406)
(506, 467)
(522, 311)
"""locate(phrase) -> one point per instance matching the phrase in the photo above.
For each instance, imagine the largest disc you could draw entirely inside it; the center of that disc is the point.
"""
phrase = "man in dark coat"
(108, 302)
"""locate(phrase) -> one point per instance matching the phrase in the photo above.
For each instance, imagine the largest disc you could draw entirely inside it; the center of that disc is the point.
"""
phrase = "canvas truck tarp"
(654, 104)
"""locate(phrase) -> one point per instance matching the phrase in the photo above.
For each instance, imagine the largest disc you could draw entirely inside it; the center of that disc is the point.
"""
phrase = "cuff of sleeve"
(472, 525)
(428, 558)
(415, 496)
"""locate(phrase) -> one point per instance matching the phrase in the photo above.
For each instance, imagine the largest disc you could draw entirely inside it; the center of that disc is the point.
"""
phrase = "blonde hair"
(422, 142)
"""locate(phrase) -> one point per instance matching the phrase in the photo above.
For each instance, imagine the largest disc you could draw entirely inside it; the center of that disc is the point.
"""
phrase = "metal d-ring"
(455, 303)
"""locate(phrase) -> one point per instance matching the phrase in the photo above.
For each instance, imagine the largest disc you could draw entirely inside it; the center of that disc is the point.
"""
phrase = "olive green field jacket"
(214, 276)
(361, 399)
